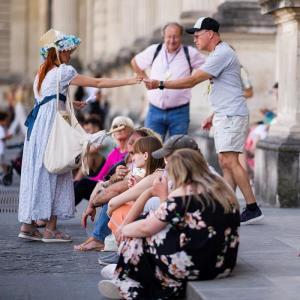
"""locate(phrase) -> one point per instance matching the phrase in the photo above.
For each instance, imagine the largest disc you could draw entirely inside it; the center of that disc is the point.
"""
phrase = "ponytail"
(48, 64)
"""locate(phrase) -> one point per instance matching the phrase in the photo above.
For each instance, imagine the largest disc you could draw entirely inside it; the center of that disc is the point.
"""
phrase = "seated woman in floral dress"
(193, 235)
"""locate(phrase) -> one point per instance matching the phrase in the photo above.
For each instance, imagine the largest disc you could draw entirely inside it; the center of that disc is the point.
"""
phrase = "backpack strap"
(159, 46)
(186, 52)
(187, 55)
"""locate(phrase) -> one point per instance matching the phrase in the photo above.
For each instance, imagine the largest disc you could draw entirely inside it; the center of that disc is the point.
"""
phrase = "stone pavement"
(268, 264)
(35, 270)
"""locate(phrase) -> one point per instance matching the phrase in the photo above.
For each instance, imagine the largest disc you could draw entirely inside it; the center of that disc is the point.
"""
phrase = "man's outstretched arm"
(183, 83)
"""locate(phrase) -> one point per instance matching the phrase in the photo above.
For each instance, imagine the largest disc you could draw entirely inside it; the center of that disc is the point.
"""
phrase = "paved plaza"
(35, 271)
(268, 266)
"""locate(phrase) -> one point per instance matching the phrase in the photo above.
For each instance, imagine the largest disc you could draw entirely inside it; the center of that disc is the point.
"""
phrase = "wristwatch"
(161, 85)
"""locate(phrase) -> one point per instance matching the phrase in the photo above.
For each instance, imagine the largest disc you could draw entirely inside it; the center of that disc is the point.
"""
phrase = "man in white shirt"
(168, 109)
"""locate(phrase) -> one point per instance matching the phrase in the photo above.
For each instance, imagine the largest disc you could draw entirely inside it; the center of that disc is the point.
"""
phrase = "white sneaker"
(109, 289)
(108, 271)
(110, 243)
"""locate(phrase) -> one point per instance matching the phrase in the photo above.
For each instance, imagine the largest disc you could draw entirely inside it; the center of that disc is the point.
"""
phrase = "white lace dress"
(43, 194)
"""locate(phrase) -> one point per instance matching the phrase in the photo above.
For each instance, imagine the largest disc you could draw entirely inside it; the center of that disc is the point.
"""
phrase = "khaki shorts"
(230, 133)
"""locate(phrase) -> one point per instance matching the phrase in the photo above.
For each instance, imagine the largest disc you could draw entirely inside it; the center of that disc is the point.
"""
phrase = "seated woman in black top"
(193, 235)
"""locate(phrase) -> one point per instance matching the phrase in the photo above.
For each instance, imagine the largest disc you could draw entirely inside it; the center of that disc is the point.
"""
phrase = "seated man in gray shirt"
(231, 116)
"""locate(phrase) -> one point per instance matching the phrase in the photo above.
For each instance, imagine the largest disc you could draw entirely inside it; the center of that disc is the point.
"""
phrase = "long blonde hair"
(188, 167)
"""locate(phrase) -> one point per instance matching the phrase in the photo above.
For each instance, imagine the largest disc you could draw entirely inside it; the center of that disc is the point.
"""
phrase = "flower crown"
(64, 43)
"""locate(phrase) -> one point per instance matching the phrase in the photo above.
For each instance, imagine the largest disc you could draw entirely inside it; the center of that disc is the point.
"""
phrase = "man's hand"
(97, 189)
(90, 211)
(79, 104)
(207, 123)
(121, 172)
(151, 84)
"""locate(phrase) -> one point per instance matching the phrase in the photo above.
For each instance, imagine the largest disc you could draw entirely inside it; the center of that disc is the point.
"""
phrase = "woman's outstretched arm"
(82, 80)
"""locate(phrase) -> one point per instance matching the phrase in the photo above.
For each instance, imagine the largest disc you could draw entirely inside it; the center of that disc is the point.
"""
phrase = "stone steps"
(267, 266)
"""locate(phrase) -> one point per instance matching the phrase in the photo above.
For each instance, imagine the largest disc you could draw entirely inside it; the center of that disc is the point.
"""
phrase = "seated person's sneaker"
(108, 257)
(108, 272)
(110, 243)
(109, 289)
(251, 216)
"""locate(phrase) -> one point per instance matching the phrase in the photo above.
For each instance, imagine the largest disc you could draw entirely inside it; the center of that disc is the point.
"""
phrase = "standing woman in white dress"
(46, 196)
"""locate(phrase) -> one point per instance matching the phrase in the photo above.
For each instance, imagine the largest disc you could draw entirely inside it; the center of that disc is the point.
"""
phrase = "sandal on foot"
(78, 247)
(55, 236)
(33, 235)
(39, 223)
(91, 245)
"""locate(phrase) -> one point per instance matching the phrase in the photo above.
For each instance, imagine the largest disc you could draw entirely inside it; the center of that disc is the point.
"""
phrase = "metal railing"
(9, 199)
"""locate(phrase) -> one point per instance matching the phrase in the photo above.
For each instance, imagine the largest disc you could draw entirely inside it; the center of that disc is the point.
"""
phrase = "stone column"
(89, 31)
(277, 159)
(18, 42)
(65, 16)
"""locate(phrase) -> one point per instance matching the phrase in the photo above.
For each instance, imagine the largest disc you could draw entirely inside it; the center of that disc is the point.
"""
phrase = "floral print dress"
(200, 242)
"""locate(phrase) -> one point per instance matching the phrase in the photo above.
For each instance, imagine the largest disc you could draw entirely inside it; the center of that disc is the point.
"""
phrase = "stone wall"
(4, 38)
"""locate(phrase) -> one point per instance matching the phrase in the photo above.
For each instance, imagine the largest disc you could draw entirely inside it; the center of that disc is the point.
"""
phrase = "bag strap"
(69, 105)
(84, 158)
(187, 55)
(158, 48)
(58, 79)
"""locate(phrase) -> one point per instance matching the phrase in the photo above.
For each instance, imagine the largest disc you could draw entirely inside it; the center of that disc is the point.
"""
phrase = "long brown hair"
(149, 144)
(189, 167)
(46, 66)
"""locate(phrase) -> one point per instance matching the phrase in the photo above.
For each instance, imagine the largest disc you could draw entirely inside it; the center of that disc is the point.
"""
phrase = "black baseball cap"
(175, 142)
(204, 23)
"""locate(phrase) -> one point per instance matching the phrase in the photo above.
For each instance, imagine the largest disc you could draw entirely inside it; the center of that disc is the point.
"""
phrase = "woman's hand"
(131, 181)
(134, 80)
(119, 234)
(79, 104)
(160, 188)
(109, 210)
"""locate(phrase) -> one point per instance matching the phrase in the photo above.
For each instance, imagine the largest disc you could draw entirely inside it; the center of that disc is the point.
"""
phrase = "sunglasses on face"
(117, 126)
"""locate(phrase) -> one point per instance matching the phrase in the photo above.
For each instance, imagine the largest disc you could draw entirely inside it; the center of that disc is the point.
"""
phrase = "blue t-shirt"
(226, 93)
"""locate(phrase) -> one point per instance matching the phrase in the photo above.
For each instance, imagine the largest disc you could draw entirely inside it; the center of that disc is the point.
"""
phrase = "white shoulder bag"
(68, 143)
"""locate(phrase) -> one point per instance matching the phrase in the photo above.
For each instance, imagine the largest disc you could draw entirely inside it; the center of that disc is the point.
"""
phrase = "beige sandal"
(32, 235)
(55, 236)
(39, 223)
